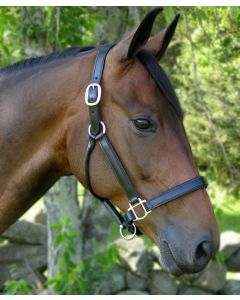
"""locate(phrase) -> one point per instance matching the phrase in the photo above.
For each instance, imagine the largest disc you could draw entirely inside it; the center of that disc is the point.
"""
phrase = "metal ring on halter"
(128, 237)
(100, 134)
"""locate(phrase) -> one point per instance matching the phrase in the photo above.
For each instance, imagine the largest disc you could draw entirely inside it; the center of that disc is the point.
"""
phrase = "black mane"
(161, 79)
(41, 60)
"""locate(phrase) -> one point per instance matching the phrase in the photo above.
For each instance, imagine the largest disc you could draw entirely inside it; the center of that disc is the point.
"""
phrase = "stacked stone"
(24, 256)
(140, 273)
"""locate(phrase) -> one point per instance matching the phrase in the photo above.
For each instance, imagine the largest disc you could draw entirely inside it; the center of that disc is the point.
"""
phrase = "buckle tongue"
(87, 98)
(141, 203)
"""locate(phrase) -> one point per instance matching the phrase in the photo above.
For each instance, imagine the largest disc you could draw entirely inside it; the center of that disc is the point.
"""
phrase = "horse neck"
(36, 112)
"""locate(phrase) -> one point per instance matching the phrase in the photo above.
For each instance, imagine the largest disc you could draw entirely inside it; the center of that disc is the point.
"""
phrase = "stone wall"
(141, 273)
(24, 254)
(138, 273)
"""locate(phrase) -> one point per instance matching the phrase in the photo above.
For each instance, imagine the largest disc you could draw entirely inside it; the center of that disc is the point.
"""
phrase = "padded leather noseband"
(97, 134)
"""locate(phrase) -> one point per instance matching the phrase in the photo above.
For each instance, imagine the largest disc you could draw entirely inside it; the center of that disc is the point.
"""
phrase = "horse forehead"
(138, 75)
(132, 79)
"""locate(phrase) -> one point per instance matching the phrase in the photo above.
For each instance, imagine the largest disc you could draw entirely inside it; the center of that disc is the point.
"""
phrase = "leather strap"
(100, 63)
(118, 168)
(110, 207)
(94, 110)
(176, 192)
(89, 150)
(172, 194)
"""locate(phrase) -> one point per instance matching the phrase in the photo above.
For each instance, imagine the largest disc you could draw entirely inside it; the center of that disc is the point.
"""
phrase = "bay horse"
(136, 123)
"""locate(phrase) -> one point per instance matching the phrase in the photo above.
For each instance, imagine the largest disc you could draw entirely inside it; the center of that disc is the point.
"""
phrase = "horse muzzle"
(185, 254)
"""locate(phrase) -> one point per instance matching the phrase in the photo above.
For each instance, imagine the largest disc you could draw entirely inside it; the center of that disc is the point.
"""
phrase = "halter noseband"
(97, 134)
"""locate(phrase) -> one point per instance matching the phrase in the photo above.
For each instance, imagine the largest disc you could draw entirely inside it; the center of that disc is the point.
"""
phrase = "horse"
(126, 115)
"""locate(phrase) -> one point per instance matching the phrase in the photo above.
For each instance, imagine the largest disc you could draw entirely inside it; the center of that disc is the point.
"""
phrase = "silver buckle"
(128, 237)
(141, 203)
(99, 91)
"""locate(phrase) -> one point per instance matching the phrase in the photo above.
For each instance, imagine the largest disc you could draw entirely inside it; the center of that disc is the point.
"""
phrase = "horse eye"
(142, 124)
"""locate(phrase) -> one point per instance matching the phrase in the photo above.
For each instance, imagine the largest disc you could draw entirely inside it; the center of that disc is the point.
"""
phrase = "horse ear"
(159, 43)
(129, 47)
(142, 33)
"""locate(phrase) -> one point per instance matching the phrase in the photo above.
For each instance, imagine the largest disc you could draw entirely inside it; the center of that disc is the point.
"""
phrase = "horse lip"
(171, 265)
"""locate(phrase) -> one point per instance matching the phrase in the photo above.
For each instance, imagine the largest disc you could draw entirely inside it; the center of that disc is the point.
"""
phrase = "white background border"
(120, 3)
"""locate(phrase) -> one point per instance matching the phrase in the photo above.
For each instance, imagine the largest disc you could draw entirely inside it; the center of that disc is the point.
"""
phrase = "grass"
(228, 217)
(226, 207)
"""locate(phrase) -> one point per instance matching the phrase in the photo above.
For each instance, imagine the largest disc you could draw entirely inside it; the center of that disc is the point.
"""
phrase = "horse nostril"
(203, 252)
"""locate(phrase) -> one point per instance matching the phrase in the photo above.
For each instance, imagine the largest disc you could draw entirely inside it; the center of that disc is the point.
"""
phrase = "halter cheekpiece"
(98, 134)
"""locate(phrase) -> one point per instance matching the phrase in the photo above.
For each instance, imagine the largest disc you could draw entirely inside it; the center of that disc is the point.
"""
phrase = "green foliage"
(11, 40)
(219, 257)
(85, 276)
(206, 76)
(17, 287)
(30, 31)
(226, 208)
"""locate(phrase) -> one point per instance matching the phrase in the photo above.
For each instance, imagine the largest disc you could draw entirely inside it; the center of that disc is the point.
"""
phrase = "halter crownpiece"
(97, 134)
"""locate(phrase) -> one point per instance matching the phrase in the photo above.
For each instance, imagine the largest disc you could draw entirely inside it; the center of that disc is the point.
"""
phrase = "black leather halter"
(97, 134)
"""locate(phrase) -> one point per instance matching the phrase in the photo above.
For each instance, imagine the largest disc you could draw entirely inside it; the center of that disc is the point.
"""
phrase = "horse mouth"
(168, 261)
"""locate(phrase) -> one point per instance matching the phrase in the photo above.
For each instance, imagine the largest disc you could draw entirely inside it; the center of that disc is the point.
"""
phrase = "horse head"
(144, 123)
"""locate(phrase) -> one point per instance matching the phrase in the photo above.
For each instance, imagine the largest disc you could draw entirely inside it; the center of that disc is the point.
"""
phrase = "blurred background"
(67, 243)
